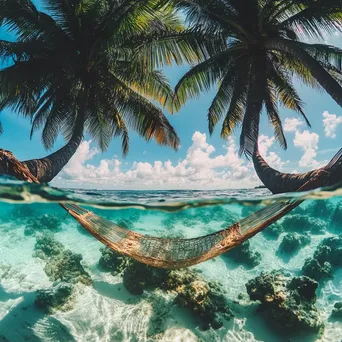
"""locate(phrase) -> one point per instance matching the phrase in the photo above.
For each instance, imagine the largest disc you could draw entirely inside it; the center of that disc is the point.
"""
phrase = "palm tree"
(264, 51)
(90, 66)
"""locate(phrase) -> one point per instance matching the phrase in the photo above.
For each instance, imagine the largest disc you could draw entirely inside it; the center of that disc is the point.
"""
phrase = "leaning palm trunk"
(41, 170)
(279, 182)
(46, 169)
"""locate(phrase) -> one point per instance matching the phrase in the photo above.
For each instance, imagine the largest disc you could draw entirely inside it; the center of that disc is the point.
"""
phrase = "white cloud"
(292, 124)
(271, 158)
(202, 168)
(308, 142)
(330, 122)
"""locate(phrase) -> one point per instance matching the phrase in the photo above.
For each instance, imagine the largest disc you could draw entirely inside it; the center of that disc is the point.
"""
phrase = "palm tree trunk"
(46, 169)
(332, 87)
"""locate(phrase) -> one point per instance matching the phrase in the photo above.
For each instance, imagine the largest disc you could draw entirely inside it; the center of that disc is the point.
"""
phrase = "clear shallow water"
(105, 310)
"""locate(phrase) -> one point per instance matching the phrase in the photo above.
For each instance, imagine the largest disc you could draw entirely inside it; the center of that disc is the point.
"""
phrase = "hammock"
(279, 182)
(178, 253)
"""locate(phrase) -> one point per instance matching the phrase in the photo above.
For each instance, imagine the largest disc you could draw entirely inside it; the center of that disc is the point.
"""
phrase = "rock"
(46, 246)
(336, 220)
(292, 242)
(337, 310)
(317, 271)
(243, 254)
(53, 298)
(289, 303)
(204, 299)
(44, 222)
(273, 231)
(67, 267)
(327, 256)
(304, 224)
(112, 261)
(320, 209)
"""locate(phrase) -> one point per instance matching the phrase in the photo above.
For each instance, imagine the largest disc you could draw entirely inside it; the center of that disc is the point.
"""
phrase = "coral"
(206, 300)
(23, 211)
(327, 256)
(67, 267)
(336, 220)
(303, 223)
(316, 270)
(337, 310)
(243, 254)
(292, 242)
(289, 303)
(322, 209)
(111, 261)
(273, 231)
(53, 298)
(46, 221)
(46, 246)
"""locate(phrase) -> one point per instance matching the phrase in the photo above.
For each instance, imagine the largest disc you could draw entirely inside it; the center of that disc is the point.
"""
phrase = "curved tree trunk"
(279, 182)
(46, 169)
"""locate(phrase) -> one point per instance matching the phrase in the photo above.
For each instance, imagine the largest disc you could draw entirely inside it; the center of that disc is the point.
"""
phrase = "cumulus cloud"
(202, 168)
(308, 142)
(330, 122)
(292, 124)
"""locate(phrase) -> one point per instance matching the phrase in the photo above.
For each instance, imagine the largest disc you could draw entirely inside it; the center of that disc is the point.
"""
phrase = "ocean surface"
(57, 283)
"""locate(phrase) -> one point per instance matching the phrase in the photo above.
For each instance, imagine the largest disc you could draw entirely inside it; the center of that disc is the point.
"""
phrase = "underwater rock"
(112, 261)
(22, 212)
(53, 298)
(273, 231)
(304, 224)
(289, 303)
(292, 242)
(46, 246)
(67, 267)
(243, 254)
(321, 209)
(327, 256)
(316, 270)
(46, 221)
(337, 310)
(336, 220)
(205, 299)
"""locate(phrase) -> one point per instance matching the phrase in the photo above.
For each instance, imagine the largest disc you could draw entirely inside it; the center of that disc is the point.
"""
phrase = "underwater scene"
(59, 283)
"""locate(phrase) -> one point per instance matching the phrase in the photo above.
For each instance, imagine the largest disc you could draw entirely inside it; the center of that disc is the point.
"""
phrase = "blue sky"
(202, 161)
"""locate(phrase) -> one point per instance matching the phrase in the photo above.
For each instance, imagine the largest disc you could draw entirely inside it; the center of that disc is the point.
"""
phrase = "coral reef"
(336, 220)
(67, 267)
(111, 261)
(46, 246)
(273, 231)
(54, 298)
(205, 299)
(243, 254)
(337, 310)
(44, 222)
(327, 256)
(289, 303)
(303, 224)
(322, 209)
(292, 242)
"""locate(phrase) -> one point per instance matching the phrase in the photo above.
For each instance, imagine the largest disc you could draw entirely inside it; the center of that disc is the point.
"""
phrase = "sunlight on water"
(58, 283)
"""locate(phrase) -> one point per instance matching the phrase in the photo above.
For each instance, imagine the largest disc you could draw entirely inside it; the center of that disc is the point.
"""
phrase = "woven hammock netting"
(177, 253)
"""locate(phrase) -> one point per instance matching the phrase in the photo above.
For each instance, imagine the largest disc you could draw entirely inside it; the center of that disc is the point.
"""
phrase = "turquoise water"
(95, 300)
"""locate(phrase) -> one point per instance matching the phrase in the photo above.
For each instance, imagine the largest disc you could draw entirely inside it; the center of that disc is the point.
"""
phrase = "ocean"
(58, 283)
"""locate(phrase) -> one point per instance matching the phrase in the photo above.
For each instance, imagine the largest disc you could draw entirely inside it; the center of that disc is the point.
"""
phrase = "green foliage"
(263, 50)
(92, 64)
